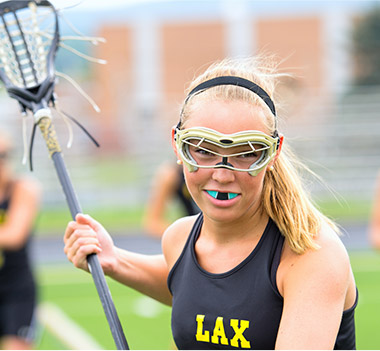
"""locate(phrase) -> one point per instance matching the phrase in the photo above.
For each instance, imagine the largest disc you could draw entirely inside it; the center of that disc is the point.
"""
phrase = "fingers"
(88, 220)
(78, 251)
(81, 237)
(84, 221)
(69, 230)
(80, 241)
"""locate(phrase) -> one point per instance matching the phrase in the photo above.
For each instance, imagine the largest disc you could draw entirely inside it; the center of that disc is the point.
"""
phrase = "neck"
(250, 225)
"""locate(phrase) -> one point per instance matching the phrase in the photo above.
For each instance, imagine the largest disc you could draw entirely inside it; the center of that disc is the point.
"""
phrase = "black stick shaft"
(95, 268)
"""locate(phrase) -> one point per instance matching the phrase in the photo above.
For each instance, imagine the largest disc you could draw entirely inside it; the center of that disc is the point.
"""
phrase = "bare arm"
(144, 273)
(374, 229)
(316, 287)
(162, 192)
(22, 212)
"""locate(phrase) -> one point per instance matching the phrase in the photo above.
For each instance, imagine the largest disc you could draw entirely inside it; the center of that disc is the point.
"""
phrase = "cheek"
(195, 180)
(191, 178)
(255, 184)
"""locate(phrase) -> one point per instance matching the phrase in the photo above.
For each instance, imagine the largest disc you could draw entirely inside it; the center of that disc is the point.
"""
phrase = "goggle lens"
(208, 154)
(248, 151)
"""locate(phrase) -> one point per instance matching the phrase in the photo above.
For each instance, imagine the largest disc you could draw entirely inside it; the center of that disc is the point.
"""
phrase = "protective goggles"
(249, 151)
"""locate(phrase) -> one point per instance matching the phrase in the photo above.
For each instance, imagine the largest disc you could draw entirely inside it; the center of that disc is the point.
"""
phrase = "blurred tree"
(366, 48)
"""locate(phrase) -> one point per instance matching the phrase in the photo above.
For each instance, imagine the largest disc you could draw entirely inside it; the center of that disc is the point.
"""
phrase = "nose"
(223, 175)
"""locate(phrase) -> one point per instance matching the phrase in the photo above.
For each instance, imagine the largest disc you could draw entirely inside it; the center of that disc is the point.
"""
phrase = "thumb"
(87, 219)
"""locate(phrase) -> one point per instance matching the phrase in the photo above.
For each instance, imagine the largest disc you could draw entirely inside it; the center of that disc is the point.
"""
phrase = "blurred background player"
(168, 187)
(374, 230)
(19, 204)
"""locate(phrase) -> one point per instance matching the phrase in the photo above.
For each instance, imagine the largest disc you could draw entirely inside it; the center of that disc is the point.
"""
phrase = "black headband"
(237, 81)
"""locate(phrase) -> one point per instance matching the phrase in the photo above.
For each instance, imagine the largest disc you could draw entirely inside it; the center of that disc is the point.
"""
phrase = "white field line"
(146, 307)
(65, 329)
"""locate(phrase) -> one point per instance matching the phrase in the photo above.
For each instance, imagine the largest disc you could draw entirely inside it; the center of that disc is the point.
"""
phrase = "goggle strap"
(275, 135)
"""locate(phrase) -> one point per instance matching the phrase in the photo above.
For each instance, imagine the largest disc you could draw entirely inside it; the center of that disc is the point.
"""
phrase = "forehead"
(226, 117)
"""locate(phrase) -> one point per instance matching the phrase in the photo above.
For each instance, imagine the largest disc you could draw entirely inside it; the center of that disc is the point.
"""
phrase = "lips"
(221, 196)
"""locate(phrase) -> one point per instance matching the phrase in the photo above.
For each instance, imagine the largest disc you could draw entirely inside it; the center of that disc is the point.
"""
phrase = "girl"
(19, 205)
(260, 267)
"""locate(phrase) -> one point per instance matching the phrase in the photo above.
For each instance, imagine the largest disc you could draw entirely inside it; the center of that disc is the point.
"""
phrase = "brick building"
(154, 50)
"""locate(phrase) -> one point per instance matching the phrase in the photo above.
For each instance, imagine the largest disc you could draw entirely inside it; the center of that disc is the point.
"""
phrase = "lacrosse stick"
(29, 39)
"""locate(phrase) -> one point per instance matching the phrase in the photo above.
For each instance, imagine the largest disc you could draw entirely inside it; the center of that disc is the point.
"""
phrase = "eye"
(250, 154)
(204, 152)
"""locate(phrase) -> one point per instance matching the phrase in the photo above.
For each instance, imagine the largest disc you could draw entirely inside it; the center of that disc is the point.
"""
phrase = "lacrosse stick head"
(29, 38)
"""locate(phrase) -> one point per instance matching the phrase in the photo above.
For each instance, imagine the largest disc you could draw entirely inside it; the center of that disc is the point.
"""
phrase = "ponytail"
(288, 204)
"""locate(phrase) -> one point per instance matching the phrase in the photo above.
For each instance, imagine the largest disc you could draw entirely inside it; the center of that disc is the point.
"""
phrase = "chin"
(222, 215)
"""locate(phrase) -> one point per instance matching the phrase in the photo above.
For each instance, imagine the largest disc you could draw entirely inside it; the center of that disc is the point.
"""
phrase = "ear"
(174, 146)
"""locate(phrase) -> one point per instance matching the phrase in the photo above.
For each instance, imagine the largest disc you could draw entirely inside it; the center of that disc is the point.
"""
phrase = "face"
(225, 194)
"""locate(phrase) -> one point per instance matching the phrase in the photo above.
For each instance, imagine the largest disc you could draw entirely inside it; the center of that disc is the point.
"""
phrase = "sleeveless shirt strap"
(195, 230)
(276, 258)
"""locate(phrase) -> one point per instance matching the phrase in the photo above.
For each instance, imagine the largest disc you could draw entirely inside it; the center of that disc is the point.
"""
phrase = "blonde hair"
(284, 198)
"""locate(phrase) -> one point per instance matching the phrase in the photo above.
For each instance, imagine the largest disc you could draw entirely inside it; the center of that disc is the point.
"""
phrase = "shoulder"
(328, 264)
(317, 286)
(175, 237)
(27, 186)
(332, 250)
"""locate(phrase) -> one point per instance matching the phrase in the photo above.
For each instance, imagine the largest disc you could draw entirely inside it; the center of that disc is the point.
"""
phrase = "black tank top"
(15, 269)
(238, 309)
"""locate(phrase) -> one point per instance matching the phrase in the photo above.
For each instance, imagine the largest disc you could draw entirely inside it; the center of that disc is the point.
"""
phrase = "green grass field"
(52, 221)
(146, 323)
(366, 266)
